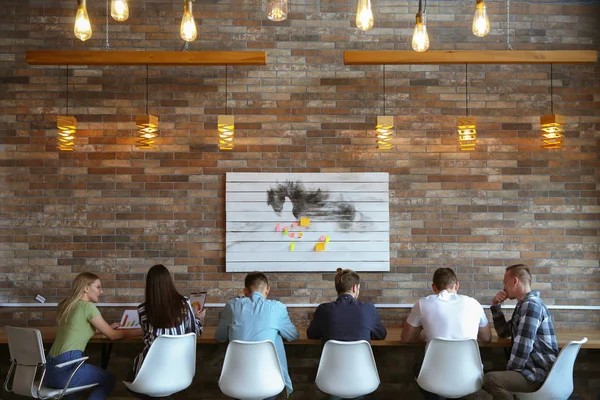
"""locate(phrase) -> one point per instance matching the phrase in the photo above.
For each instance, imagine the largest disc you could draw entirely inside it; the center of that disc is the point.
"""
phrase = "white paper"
(197, 300)
(130, 320)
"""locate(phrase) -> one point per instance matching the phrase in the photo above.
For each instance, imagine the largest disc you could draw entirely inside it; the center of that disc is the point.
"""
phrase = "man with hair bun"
(534, 346)
(447, 315)
(346, 318)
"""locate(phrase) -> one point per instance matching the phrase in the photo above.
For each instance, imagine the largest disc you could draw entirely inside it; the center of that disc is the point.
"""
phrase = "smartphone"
(198, 299)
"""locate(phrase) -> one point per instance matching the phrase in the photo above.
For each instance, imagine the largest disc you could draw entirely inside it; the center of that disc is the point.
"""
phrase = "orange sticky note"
(304, 221)
(292, 246)
(320, 247)
(291, 234)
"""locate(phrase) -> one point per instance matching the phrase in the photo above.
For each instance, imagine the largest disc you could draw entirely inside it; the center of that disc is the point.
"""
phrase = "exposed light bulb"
(481, 22)
(83, 27)
(364, 15)
(119, 10)
(420, 39)
(188, 30)
(277, 10)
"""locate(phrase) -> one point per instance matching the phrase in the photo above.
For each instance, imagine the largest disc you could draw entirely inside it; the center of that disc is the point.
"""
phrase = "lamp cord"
(384, 89)
(107, 45)
(508, 45)
(551, 92)
(467, 89)
(146, 89)
(67, 90)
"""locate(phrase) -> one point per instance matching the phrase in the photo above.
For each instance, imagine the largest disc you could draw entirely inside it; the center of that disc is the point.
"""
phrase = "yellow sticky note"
(326, 239)
(299, 235)
(292, 246)
(304, 221)
(320, 247)
(285, 232)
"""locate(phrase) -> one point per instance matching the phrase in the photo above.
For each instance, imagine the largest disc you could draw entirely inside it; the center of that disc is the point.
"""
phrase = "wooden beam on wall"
(77, 57)
(379, 57)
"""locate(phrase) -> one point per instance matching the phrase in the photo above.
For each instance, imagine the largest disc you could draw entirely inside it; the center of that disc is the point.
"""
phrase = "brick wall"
(115, 210)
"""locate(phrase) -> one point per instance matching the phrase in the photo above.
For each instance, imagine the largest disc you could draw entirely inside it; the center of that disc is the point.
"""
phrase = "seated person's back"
(346, 318)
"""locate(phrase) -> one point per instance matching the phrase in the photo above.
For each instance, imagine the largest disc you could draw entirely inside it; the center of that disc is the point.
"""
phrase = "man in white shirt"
(446, 314)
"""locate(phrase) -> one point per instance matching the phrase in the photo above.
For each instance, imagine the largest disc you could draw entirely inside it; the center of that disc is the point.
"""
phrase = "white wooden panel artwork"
(347, 218)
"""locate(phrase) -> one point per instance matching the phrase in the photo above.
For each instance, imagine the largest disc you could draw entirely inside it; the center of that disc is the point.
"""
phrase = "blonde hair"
(66, 306)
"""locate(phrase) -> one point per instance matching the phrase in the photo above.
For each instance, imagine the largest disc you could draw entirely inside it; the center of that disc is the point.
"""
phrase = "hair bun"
(339, 270)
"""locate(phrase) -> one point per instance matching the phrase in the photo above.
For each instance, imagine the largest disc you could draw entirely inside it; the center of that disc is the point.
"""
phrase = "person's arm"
(411, 330)
(378, 331)
(222, 334)
(114, 334)
(529, 322)
(485, 333)
(501, 325)
(287, 329)
(315, 329)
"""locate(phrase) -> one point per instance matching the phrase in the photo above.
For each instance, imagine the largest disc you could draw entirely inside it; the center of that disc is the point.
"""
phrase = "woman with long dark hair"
(78, 320)
(165, 311)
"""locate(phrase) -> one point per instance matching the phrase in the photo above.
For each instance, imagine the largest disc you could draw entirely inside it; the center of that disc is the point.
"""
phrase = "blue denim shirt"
(254, 319)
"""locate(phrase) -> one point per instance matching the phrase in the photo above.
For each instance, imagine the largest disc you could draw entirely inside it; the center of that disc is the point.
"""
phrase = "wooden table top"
(393, 338)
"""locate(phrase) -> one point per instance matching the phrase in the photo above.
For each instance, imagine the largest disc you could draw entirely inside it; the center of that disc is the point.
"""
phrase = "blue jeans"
(86, 375)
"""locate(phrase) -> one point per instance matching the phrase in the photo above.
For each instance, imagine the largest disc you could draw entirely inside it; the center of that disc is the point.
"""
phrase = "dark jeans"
(86, 375)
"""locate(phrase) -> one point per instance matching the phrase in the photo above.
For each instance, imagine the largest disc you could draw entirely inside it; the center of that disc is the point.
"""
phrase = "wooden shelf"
(76, 57)
(379, 57)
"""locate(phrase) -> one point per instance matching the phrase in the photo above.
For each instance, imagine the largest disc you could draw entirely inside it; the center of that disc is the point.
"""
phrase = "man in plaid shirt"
(534, 347)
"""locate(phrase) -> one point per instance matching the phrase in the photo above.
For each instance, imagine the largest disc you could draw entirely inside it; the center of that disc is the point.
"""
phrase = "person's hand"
(115, 325)
(499, 298)
(200, 315)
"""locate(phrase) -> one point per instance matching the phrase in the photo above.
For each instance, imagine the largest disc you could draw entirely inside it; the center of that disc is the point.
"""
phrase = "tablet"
(198, 299)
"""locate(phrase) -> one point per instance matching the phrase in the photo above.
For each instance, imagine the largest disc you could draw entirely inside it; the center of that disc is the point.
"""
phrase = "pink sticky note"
(291, 234)
(278, 228)
(294, 224)
(322, 238)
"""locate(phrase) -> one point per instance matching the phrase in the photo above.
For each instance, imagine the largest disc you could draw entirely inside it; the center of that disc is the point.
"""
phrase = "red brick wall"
(112, 209)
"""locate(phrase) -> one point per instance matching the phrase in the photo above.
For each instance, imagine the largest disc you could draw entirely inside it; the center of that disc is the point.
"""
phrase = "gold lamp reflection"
(481, 22)
(119, 10)
(83, 27)
(188, 30)
(420, 39)
(277, 10)
(364, 15)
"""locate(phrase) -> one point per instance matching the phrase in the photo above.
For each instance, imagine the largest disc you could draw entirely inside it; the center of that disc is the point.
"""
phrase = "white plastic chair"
(251, 370)
(28, 366)
(559, 382)
(451, 368)
(169, 367)
(347, 369)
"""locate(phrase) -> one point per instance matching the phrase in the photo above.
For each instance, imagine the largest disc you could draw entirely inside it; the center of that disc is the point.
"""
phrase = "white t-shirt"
(448, 316)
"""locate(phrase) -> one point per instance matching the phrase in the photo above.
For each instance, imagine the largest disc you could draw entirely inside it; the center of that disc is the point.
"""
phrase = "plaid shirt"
(534, 346)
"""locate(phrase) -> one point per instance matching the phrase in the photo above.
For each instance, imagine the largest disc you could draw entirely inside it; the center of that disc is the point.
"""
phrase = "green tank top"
(76, 331)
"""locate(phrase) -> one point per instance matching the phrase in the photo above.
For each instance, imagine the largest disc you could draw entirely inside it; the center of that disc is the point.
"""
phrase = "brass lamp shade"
(226, 128)
(67, 126)
(467, 133)
(552, 129)
(147, 126)
(385, 130)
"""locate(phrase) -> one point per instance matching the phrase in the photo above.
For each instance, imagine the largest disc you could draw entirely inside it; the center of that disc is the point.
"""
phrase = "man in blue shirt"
(254, 318)
(534, 347)
(346, 318)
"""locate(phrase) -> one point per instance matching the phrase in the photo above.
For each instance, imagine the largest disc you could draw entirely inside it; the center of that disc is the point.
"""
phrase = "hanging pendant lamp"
(552, 125)
(67, 126)
(226, 125)
(385, 125)
(466, 126)
(147, 126)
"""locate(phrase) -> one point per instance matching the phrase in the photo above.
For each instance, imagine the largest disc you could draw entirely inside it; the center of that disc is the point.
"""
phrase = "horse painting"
(309, 203)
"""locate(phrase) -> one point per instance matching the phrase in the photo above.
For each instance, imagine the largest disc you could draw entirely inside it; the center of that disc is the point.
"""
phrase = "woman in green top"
(78, 320)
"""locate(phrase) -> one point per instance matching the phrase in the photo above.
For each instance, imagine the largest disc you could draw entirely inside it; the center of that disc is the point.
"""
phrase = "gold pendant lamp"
(147, 126)
(67, 126)
(226, 125)
(552, 125)
(385, 125)
(466, 126)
